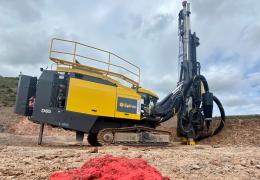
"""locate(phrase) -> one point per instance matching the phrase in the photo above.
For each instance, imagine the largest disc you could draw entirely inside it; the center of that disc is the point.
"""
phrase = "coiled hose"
(215, 99)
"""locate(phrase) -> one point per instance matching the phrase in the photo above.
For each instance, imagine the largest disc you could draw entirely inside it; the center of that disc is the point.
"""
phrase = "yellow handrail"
(108, 71)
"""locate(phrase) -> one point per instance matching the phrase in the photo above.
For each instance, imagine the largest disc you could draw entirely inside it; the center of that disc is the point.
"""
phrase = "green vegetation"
(8, 86)
(251, 116)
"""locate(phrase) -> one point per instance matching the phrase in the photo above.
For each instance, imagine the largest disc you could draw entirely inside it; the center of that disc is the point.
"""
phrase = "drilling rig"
(191, 100)
(88, 99)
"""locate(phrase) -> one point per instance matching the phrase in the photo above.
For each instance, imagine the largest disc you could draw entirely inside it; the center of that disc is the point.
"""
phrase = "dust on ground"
(233, 154)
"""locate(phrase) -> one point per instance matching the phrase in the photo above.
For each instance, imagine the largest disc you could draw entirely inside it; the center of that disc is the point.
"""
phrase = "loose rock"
(94, 150)
(125, 148)
(195, 167)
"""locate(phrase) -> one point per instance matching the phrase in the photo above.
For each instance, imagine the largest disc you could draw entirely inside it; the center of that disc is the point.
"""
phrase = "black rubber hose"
(222, 114)
(196, 78)
(222, 123)
(173, 110)
(185, 91)
(215, 99)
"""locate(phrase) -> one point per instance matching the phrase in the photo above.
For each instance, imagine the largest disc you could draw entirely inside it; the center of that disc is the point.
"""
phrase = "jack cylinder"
(207, 104)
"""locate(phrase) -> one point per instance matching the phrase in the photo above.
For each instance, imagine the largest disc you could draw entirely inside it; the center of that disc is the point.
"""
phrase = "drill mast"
(188, 43)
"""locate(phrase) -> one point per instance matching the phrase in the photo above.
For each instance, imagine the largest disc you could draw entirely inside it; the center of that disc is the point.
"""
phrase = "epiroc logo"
(127, 105)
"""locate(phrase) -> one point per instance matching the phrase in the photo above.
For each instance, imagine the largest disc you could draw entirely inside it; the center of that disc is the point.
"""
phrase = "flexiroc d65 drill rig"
(94, 100)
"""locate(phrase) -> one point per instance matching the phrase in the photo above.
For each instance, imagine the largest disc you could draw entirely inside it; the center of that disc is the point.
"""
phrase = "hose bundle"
(215, 99)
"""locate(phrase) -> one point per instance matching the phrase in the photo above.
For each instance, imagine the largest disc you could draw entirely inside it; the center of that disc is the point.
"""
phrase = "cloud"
(145, 33)
(164, 84)
(21, 11)
(254, 80)
(23, 48)
(158, 24)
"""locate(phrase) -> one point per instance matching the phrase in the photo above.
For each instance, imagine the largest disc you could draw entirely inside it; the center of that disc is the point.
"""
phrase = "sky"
(146, 33)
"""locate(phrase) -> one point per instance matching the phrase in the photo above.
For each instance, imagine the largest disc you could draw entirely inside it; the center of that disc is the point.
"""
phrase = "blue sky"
(144, 32)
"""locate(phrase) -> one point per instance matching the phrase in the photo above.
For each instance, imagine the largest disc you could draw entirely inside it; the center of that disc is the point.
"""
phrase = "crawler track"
(134, 136)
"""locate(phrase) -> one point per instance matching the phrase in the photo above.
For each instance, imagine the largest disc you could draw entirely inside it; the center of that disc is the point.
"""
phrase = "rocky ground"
(233, 154)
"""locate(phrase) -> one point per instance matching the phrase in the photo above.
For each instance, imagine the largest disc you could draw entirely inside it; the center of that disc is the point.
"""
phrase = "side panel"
(91, 98)
(128, 103)
(26, 89)
(64, 119)
(46, 111)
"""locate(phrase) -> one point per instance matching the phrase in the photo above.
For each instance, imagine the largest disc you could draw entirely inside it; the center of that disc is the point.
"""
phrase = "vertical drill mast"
(187, 46)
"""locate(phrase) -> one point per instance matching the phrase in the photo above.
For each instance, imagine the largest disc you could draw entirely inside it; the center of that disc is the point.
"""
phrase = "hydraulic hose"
(195, 79)
(222, 122)
(222, 115)
(185, 91)
(215, 99)
(178, 98)
(175, 103)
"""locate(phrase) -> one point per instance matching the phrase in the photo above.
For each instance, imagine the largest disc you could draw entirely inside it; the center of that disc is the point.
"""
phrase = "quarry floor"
(233, 154)
(20, 158)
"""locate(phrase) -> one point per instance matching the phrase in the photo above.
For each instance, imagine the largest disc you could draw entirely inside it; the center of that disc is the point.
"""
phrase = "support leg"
(79, 136)
(40, 134)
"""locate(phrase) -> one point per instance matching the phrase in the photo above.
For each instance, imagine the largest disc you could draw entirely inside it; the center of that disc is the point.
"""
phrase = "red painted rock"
(111, 168)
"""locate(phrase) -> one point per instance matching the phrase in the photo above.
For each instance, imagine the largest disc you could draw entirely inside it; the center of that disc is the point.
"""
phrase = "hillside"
(8, 86)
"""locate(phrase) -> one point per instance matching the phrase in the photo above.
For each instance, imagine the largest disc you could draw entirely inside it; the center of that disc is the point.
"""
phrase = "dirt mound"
(8, 118)
(109, 167)
(26, 127)
(237, 131)
(20, 125)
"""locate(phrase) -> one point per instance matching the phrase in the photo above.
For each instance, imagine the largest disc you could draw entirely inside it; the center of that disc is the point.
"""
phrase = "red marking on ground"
(111, 168)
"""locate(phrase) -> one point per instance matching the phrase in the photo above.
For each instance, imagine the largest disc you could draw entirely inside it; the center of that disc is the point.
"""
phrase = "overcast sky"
(144, 32)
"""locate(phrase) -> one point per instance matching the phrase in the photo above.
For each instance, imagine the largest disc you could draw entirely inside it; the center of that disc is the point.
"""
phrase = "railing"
(60, 57)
